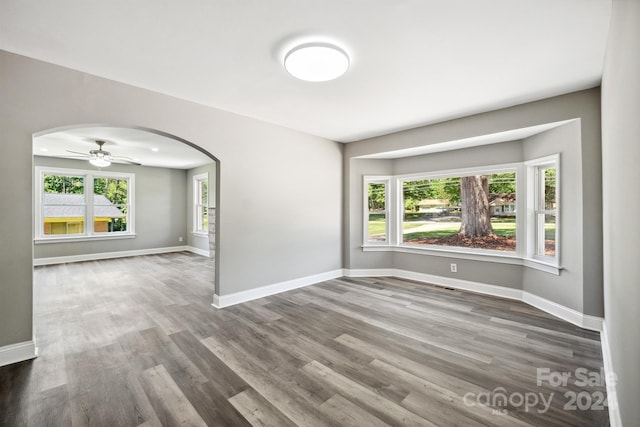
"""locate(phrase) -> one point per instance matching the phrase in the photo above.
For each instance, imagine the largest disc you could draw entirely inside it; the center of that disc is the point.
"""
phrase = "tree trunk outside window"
(474, 197)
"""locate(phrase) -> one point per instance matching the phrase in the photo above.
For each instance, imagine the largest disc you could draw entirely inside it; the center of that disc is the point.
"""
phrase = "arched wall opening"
(163, 215)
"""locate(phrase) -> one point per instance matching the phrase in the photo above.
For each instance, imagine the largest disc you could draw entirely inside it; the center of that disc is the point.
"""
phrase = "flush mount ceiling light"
(316, 62)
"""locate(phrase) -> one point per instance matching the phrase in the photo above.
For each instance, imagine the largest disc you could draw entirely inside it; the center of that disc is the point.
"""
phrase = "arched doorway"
(146, 192)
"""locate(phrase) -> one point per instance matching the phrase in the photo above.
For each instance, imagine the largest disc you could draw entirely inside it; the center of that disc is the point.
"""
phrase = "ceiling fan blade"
(75, 152)
(124, 161)
(70, 157)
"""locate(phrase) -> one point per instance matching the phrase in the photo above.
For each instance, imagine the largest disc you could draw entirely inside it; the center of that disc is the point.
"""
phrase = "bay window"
(507, 211)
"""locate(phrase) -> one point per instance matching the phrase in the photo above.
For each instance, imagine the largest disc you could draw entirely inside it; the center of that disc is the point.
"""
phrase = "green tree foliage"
(115, 190)
(58, 184)
(502, 182)
(550, 186)
(441, 188)
(376, 197)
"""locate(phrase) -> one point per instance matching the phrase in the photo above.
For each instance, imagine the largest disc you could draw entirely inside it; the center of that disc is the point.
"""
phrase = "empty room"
(319, 213)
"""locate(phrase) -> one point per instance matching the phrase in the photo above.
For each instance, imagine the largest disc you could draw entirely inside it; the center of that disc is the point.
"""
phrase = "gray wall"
(160, 210)
(566, 289)
(580, 285)
(292, 179)
(621, 175)
(194, 240)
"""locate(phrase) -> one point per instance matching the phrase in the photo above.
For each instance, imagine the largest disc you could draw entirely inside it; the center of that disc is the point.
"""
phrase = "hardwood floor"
(135, 341)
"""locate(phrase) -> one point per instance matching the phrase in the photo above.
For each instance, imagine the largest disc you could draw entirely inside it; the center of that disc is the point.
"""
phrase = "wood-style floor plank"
(136, 342)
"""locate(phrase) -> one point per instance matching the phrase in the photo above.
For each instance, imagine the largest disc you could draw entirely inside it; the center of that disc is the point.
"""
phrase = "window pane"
(475, 211)
(204, 193)
(377, 227)
(205, 218)
(110, 198)
(58, 184)
(547, 241)
(377, 195)
(113, 191)
(63, 205)
(109, 219)
(549, 188)
(202, 218)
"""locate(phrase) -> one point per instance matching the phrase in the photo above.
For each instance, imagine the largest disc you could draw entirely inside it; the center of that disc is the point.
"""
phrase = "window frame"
(89, 231)
(525, 231)
(196, 181)
(367, 180)
(535, 196)
(458, 173)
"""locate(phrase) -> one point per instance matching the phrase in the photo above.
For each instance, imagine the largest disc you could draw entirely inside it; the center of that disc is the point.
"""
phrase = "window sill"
(469, 254)
(45, 240)
(200, 234)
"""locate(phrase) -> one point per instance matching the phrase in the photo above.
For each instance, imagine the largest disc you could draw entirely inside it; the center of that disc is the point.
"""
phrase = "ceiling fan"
(102, 158)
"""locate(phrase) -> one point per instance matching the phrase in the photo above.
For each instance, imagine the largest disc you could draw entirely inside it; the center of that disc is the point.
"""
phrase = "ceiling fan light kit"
(99, 157)
(101, 162)
(102, 158)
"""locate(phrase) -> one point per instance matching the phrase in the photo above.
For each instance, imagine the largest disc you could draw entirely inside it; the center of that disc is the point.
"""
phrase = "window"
(376, 214)
(110, 207)
(543, 206)
(494, 212)
(200, 203)
(73, 204)
(471, 211)
(63, 204)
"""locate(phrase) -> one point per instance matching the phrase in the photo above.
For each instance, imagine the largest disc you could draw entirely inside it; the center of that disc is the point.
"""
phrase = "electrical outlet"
(180, 239)
(454, 268)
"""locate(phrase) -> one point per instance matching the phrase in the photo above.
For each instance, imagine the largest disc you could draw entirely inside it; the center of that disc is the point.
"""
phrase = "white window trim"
(533, 194)
(88, 175)
(524, 236)
(365, 214)
(196, 185)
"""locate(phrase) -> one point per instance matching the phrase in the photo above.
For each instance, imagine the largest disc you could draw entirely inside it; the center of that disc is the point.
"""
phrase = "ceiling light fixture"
(99, 157)
(316, 62)
(100, 160)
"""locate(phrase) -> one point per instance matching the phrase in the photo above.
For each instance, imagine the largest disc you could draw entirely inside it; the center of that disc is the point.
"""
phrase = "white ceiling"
(413, 62)
(141, 146)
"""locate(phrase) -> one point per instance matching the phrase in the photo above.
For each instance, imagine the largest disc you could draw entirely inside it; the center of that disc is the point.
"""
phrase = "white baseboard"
(585, 321)
(199, 251)
(221, 301)
(18, 352)
(108, 255)
(570, 315)
(579, 319)
(483, 288)
(611, 379)
(466, 285)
